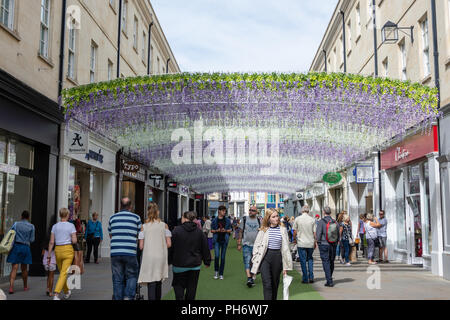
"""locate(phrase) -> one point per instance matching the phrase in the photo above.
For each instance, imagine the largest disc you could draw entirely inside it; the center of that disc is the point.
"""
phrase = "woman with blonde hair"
(345, 234)
(63, 236)
(371, 235)
(154, 240)
(271, 253)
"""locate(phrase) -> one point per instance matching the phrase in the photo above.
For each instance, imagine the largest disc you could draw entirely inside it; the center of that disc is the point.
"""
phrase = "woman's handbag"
(7, 242)
(78, 258)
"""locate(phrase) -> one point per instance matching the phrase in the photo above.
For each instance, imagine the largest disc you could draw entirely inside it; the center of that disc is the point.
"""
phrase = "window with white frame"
(403, 60)
(72, 49)
(358, 20)
(349, 32)
(386, 67)
(341, 54)
(426, 47)
(124, 16)
(144, 39)
(135, 33)
(110, 70)
(7, 13)
(45, 27)
(93, 63)
(369, 10)
(335, 60)
(158, 68)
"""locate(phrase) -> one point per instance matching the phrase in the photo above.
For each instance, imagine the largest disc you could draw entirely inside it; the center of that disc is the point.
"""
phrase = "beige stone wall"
(19, 47)
(360, 49)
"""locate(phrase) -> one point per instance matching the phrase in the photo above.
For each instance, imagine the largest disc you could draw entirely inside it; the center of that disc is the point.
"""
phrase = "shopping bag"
(78, 261)
(7, 242)
(286, 283)
(2, 295)
(353, 254)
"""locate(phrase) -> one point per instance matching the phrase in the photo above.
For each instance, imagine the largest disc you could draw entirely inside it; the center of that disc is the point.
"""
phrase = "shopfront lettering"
(97, 156)
(401, 154)
(130, 167)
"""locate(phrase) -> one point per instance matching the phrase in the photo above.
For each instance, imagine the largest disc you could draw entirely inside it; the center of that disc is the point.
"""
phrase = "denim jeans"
(247, 253)
(346, 245)
(125, 271)
(307, 263)
(220, 250)
(328, 254)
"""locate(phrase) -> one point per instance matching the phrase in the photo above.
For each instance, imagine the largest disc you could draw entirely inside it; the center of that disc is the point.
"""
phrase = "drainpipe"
(149, 46)
(343, 41)
(118, 38)
(375, 46)
(438, 86)
(60, 87)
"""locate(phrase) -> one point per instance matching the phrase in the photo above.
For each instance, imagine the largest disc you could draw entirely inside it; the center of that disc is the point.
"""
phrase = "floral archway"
(312, 123)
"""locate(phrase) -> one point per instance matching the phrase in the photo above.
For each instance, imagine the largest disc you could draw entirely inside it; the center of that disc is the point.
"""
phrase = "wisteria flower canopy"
(251, 132)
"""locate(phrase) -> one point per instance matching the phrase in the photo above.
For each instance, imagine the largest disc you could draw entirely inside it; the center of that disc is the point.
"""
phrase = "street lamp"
(389, 32)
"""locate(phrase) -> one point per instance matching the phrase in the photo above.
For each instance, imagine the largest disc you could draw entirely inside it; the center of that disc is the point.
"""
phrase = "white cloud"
(244, 35)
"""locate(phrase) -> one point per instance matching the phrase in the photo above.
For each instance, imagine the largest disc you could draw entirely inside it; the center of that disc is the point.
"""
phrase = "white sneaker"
(221, 277)
(348, 264)
(55, 297)
(216, 276)
(67, 296)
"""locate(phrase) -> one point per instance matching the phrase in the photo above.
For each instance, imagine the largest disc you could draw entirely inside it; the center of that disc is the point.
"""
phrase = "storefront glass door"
(414, 219)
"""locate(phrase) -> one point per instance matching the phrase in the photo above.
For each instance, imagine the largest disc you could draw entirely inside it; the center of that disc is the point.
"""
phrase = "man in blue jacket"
(221, 229)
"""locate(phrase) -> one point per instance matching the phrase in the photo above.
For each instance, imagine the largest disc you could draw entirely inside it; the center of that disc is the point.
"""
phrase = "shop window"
(2, 150)
(21, 155)
(400, 213)
(414, 179)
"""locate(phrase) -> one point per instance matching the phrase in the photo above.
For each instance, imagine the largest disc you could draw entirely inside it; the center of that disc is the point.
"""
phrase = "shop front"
(29, 127)
(337, 195)
(87, 179)
(409, 187)
(132, 179)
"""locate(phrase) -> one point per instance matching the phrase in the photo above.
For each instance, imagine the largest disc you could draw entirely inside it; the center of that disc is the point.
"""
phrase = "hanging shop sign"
(97, 156)
(281, 205)
(364, 174)
(271, 205)
(332, 177)
(300, 195)
(156, 176)
(172, 184)
(184, 190)
(130, 166)
(7, 168)
(410, 149)
(77, 142)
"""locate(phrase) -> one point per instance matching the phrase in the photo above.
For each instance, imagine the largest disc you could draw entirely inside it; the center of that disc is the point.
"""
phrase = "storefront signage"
(300, 195)
(130, 166)
(410, 149)
(271, 205)
(281, 205)
(156, 176)
(173, 184)
(183, 190)
(77, 142)
(97, 156)
(7, 168)
(364, 174)
(332, 177)
(199, 196)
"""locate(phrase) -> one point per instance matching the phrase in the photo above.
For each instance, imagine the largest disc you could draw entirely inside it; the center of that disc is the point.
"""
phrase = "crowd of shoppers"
(265, 246)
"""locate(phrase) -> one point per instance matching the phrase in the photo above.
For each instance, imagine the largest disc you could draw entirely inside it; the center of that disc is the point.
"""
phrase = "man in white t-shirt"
(305, 237)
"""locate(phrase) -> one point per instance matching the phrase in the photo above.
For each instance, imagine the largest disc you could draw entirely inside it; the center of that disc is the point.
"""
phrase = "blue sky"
(244, 35)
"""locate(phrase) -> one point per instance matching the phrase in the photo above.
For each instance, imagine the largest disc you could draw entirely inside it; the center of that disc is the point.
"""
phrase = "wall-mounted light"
(389, 32)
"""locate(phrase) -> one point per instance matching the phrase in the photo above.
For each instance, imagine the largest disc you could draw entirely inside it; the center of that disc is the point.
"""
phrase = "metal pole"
(118, 38)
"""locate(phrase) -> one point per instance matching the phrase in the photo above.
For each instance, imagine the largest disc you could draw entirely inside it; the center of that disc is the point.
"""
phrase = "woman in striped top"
(271, 253)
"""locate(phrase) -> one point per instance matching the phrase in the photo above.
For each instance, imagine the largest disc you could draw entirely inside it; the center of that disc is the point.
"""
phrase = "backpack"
(245, 220)
(332, 234)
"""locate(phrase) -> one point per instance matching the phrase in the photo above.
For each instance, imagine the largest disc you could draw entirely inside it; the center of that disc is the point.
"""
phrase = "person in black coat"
(189, 249)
